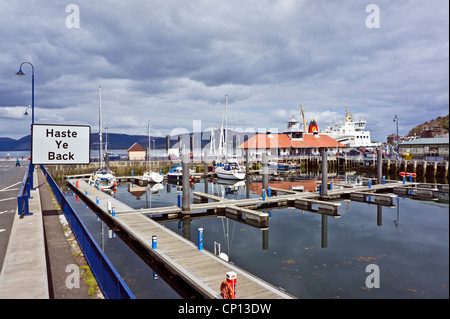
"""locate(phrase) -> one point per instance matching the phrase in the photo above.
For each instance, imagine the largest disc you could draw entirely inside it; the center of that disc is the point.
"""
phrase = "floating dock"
(200, 269)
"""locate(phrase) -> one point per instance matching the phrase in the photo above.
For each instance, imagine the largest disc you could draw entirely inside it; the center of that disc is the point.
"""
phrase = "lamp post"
(396, 121)
(20, 72)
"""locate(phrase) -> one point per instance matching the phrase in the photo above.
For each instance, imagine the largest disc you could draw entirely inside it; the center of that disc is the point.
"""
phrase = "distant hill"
(115, 141)
(441, 122)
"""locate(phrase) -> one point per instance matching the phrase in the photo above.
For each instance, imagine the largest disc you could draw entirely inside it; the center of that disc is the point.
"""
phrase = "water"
(301, 252)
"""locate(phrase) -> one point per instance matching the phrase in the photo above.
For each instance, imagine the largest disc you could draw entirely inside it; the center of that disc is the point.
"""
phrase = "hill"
(439, 122)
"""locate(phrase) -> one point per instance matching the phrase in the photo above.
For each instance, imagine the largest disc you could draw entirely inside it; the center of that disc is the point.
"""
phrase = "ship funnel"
(313, 127)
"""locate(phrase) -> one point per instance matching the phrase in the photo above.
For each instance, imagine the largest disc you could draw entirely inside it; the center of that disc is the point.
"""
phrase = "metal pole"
(379, 166)
(265, 171)
(324, 172)
(185, 183)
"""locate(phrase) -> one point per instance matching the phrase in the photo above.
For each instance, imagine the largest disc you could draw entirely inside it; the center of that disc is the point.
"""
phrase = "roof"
(264, 141)
(136, 148)
(427, 141)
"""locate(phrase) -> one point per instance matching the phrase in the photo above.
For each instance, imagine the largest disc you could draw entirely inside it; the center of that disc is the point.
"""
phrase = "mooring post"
(247, 161)
(185, 183)
(200, 238)
(324, 172)
(379, 166)
(265, 171)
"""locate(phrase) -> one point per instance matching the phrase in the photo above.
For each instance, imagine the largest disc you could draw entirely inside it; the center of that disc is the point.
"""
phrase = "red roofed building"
(291, 142)
(136, 153)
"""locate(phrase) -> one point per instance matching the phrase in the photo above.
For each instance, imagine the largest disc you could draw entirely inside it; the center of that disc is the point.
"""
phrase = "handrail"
(108, 278)
(24, 192)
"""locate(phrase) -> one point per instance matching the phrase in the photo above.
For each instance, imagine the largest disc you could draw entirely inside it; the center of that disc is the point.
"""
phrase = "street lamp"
(20, 72)
(396, 120)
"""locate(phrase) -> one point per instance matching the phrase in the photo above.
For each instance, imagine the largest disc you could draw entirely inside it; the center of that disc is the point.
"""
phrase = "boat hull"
(153, 177)
(230, 175)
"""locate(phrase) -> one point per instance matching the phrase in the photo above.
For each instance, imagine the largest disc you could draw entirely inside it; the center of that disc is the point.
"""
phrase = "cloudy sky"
(173, 62)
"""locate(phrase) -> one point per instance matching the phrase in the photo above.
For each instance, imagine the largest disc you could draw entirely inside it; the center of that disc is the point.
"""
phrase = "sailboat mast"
(149, 147)
(100, 126)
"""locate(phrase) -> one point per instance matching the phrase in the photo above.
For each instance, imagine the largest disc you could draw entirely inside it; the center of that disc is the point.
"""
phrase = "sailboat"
(230, 169)
(103, 177)
(152, 177)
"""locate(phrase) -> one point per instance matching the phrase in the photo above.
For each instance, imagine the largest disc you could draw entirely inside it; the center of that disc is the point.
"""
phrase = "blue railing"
(24, 192)
(108, 278)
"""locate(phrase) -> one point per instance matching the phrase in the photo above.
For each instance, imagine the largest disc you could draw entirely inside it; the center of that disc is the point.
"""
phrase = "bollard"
(404, 179)
(370, 183)
(331, 185)
(384, 180)
(179, 200)
(216, 248)
(154, 241)
(410, 178)
(96, 199)
(132, 173)
(320, 189)
(263, 194)
(200, 238)
(114, 212)
(231, 278)
(85, 191)
(109, 207)
(269, 192)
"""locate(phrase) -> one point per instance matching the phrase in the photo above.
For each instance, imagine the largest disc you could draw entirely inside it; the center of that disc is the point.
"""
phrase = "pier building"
(293, 141)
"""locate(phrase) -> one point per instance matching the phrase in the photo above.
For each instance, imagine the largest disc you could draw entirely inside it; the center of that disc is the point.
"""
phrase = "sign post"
(60, 144)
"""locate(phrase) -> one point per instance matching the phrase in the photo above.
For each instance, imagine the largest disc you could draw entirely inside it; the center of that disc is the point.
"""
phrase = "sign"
(60, 144)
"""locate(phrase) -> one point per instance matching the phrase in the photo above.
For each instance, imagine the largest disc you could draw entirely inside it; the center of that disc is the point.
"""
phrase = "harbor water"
(305, 253)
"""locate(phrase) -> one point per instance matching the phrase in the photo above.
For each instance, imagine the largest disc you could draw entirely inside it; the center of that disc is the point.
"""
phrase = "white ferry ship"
(352, 133)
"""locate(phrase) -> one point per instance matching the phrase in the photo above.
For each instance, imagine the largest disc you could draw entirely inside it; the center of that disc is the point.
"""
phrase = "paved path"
(34, 250)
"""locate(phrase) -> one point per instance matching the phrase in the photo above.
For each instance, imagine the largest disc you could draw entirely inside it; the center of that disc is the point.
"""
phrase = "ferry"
(353, 133)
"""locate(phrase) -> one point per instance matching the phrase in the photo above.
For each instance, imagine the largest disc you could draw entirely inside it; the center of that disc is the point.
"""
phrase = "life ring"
(226, 290)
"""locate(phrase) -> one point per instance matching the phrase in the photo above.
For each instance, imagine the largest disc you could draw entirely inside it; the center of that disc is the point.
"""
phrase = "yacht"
(103, 177)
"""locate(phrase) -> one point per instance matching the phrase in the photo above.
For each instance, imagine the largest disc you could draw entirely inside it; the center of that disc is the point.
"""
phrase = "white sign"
(60, 144)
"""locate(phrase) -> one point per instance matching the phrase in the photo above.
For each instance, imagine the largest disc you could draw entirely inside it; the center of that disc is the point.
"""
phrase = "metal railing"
(24, 192)
(108, 278)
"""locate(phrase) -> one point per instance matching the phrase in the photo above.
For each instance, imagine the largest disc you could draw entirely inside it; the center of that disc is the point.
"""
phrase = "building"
(293, 141)
(426, 148)
(136, 153)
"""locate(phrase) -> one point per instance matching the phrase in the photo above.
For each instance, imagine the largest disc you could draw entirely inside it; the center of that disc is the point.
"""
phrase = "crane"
(304, 122)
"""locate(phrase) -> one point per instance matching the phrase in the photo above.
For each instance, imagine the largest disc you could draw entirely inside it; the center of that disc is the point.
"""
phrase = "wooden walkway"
(201, 269)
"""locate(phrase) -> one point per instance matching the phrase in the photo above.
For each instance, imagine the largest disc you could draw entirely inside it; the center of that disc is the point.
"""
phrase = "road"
(10, 181)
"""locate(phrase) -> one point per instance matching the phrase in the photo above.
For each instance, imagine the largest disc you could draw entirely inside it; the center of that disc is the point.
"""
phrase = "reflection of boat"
(152, 177)
(102, 178)
(176, 173)
(155, 188)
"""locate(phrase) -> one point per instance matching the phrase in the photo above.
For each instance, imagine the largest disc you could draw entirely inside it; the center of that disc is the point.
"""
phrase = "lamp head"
(20, 72)
(26, 111)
